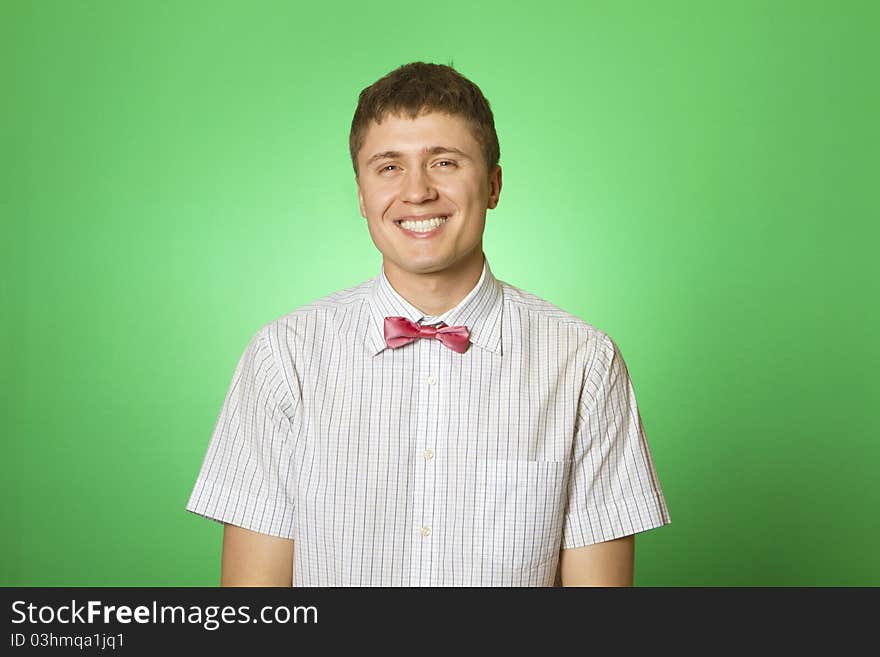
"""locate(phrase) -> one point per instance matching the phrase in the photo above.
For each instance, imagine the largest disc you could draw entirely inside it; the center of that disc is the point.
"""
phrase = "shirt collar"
(480, 311)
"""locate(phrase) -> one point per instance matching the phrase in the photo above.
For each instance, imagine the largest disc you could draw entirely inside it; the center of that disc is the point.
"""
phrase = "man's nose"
(417, 186)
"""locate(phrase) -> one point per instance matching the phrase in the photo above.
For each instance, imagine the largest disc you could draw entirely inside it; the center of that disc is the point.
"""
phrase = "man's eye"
(388, 166)
(449, 164)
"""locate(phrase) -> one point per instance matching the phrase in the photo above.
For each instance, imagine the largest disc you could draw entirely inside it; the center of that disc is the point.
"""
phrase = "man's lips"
(423, 234)
(422, 217)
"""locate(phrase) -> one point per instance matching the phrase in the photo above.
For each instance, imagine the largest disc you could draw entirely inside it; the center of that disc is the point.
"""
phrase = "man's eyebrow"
(429, 150)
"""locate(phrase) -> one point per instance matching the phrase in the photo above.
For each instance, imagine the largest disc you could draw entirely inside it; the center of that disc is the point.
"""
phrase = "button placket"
(423, 491)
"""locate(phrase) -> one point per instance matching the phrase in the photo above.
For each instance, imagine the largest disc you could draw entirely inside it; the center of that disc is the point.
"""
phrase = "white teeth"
(425, 225)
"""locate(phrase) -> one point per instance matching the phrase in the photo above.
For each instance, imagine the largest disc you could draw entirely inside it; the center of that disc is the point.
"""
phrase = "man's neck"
(436, 292)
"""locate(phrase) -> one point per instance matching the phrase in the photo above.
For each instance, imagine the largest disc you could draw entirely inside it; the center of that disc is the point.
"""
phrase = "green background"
(698, 180)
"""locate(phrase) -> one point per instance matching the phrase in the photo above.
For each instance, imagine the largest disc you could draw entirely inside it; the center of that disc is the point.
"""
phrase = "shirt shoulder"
(339, 300)
(526, 302)
(308, 320)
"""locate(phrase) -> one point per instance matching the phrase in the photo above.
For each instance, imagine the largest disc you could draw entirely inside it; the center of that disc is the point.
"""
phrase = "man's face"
(411, 171)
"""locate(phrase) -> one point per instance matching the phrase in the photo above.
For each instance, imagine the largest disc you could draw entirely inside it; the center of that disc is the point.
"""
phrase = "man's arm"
(602, 564)
(254, 559)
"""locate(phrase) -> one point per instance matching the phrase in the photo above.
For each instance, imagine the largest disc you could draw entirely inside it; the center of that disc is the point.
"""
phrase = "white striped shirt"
(420, 466)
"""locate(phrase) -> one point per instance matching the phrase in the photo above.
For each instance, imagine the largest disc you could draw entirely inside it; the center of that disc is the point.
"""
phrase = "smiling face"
(424, 189)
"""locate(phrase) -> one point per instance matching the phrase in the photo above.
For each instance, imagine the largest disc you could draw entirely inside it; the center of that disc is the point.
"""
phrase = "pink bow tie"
(400, 331)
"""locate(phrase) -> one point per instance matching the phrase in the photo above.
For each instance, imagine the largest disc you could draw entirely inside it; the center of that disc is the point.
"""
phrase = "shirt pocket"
(519, 517)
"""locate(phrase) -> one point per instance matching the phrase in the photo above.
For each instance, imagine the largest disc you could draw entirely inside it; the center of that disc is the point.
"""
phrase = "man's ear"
(360, 197)
(494, 186)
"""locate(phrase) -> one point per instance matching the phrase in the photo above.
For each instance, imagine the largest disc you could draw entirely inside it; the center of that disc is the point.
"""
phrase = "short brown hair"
(418, 87)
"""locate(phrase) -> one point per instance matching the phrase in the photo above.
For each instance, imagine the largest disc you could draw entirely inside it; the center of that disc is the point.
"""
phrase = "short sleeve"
(244, 477)
(614, 490)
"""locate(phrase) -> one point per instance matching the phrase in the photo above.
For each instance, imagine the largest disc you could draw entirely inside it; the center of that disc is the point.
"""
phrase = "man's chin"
(418, 266)
(429, 263)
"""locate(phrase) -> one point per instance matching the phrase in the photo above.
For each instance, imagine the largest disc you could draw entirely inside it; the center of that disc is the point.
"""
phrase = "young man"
(433, 426)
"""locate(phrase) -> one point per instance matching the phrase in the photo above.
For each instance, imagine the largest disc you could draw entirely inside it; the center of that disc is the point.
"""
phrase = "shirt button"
(428, 454)
(425, 531)
(432, 380)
